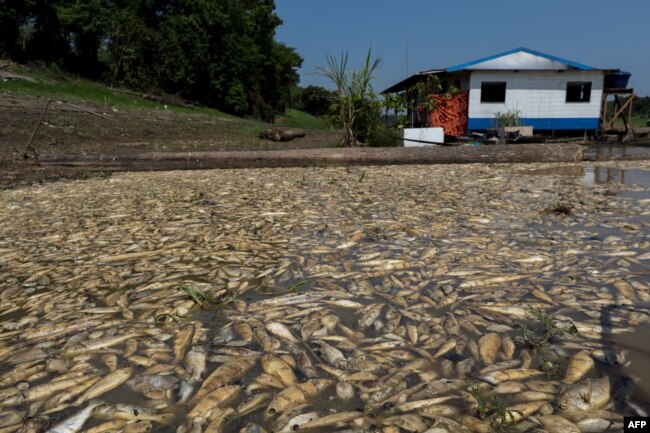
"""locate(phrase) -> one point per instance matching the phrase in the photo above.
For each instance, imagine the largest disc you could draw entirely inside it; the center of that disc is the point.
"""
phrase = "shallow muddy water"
(605, 151)
(389, 299)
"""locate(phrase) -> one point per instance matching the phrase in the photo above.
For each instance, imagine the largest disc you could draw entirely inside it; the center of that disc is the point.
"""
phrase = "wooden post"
(603, 114)
(40, 120)
(629, 111)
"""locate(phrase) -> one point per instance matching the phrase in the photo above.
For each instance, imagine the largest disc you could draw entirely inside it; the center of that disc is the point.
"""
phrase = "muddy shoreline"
(153, 161)
(75, 164)
(50, 167)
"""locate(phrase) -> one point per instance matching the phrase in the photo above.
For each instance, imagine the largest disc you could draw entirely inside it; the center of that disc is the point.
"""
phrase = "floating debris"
(393, 299)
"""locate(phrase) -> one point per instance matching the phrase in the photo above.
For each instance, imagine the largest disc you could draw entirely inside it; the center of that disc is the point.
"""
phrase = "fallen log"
(524, 153)
(278, 134)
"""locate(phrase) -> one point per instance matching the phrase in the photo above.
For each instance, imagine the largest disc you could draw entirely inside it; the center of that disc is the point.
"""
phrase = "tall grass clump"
(356, 108)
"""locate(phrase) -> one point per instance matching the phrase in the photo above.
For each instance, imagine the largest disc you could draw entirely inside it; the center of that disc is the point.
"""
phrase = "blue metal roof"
(569, 63)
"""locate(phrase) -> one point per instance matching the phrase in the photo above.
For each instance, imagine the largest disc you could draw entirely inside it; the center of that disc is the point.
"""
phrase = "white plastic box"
(423, 136)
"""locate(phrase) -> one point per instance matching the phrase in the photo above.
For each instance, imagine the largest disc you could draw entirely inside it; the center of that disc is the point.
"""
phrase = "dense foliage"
(317, 100)
(641, 107)
(219, 52)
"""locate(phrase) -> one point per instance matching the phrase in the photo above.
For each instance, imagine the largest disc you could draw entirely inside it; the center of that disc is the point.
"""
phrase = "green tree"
(45, 39)
(84, 26)
(317, 100)
(641, 106)
(13, 15)
(221, 53)
(133, 43)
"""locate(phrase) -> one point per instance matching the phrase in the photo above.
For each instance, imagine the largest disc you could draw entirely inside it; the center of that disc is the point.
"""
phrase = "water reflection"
(607, 150)
(616, 175)
(597, 174)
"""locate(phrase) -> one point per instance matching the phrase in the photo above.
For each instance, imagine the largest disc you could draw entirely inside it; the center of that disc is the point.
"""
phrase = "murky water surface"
(393, 299)
(605, 151)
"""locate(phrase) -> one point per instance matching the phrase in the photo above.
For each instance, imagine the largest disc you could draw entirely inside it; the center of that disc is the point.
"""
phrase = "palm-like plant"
(354, 93)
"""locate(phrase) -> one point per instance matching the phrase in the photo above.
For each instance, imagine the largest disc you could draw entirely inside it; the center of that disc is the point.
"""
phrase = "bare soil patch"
(82, 128)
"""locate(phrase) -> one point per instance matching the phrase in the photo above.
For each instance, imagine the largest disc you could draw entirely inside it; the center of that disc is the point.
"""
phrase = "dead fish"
(418, 404)
(578, 366)
(11, 418)
(269, 381)
(131, 412)
(99, 343)
(110, 359)
(335, 419)
(56, 330)
(23, 371)
(252, 428)
(75, 422)
(369, 314)
(497, 377)
(508, 347)
(488, 346)
(302, 298)
(43, 391)
(526, 396)
(109, 426)
(217, 420)
(509, 388)
(500, 366)
(595, 424)
(146, 382)
(296, 395)
(281, 330)
(482, 282)
(105, 384)
(475, 424)
(182, 342)
(55, 403)
(138, 427)
(298, 421)
(268, 343)
(558, 424)
(277, 367)
(330, 354)
(32, 354)
(518, 412)
(439, 410)
(217, 398)
(185, 390)
(223, 375)
(447, 347)
(408, 422)
(195, 361)
(305, 365)
(345, 391)
(245, 330)
(586, 396)
(253, 403)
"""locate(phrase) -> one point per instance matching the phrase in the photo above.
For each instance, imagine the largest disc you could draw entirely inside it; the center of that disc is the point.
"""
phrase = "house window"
(493, 91)
(578, 91)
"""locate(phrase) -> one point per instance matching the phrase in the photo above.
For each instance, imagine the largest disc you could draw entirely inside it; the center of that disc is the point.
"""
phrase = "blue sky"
(599, 33)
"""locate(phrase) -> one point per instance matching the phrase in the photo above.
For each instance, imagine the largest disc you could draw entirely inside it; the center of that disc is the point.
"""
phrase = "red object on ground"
(450, 113)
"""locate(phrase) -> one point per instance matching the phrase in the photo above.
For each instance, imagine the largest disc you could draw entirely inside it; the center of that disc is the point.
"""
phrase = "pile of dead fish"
(320, 300)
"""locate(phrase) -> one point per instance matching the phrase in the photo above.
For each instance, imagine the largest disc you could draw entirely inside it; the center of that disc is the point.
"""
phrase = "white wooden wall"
(536, 94)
